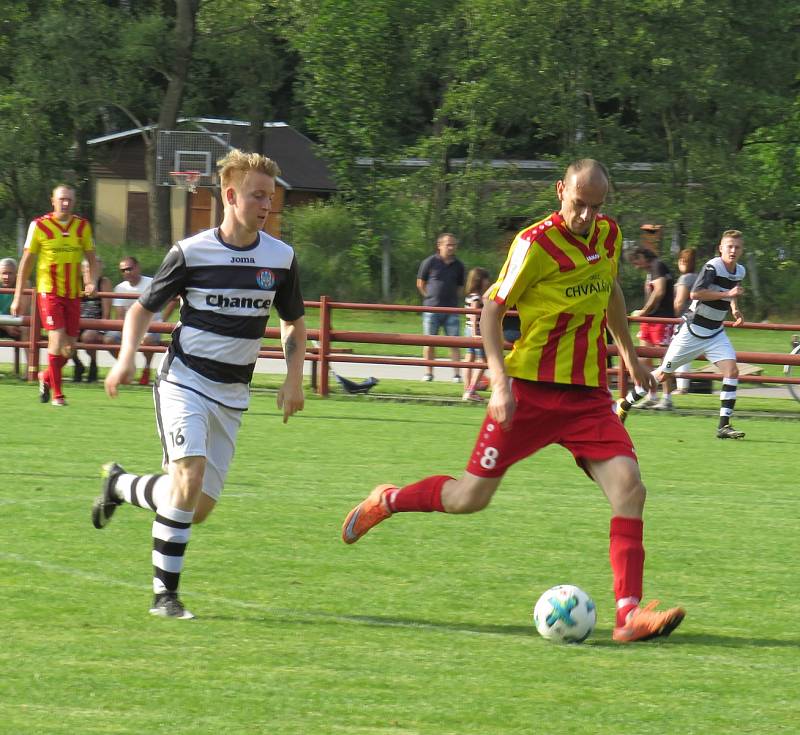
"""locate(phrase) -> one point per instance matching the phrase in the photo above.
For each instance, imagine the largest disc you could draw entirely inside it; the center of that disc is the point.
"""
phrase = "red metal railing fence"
(324, 354)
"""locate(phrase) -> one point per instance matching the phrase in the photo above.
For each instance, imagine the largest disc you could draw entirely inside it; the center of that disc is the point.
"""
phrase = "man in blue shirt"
(440, 281)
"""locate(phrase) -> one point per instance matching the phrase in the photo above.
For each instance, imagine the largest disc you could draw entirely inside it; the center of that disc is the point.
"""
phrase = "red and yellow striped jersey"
(561, 284)
(59, 249)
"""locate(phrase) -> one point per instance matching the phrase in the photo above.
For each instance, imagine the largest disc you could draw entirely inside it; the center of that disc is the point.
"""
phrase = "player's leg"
(727, 399)
(58, 348)
(682, 349)
(65, 345)
(667, 382)
(440, 493)
(494, 452)
(620, 480)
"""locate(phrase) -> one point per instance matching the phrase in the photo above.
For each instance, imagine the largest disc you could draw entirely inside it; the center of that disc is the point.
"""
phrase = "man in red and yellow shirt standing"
(58, 241)
(561, 276)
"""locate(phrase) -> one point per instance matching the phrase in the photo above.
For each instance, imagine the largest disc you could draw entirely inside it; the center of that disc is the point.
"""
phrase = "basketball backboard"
(189, 150)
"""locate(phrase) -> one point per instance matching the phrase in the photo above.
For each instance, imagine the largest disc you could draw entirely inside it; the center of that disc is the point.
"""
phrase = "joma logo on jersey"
(593, 257)
(240, 259)
(220, 300)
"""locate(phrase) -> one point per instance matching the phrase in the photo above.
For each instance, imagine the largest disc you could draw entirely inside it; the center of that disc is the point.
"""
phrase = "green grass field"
(423, 627)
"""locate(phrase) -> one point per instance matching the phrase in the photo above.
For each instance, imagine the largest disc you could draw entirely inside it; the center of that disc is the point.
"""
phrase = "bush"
(323, 236)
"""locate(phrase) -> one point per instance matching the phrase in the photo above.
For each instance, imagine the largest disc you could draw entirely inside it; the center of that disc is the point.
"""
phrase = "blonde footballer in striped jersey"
(561, 276)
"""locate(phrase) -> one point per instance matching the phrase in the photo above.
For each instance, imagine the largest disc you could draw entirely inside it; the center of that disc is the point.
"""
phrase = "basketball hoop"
(186, 180)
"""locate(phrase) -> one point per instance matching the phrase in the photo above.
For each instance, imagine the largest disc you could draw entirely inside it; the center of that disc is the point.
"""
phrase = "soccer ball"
(565, 614)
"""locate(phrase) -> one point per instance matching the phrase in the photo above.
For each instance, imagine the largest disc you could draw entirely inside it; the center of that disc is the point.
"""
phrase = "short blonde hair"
(234, 166)
(736, 234)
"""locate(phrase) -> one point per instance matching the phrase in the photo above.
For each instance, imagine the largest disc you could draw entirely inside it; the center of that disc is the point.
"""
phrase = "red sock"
(56, 363)
(627, 563)
(424, 496)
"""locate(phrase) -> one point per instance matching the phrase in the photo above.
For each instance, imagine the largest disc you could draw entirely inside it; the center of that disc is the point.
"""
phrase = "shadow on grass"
(601, 637)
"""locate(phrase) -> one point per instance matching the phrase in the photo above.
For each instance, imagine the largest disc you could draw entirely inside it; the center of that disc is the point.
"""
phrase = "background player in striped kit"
(561, 276)
(228, 279)
(716, 290)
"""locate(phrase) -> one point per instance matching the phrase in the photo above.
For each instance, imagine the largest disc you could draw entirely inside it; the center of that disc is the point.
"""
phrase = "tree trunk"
(159, 199)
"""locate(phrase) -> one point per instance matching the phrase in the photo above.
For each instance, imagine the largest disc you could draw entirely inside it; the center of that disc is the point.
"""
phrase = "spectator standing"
(92, 307)
(440, 281)
(133, 283)
(683, 288)
(477, 283)
(561, 275)
(58, 241)
(229, 279)
(659, 299)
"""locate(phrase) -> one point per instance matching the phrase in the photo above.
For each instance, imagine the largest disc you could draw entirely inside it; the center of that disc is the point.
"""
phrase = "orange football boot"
(368, 513)
(646, 622)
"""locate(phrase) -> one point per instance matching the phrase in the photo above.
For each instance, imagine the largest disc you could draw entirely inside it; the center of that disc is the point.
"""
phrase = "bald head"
(582, 192)
(63, 201)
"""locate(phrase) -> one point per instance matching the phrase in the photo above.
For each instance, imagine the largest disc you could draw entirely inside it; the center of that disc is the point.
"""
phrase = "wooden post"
(324, 346)
(33, 340)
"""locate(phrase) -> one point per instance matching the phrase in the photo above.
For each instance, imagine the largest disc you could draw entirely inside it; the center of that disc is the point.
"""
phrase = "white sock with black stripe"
(171, 530)
(144, 491)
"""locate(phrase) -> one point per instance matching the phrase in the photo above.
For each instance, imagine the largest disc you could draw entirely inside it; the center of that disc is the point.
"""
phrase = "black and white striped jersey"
(705, 318)
(226, 296)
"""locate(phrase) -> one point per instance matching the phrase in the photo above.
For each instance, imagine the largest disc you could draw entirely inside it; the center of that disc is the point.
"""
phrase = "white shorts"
(190, 425)
(685, 347)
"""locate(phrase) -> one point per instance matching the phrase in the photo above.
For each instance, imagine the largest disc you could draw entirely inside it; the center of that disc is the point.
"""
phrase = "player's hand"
(735, 292)
(738, 319)
(291, 400)
(14, 310)
(642, 376)
(89, 289)
(502, 404)
(636, 312)
(120, 374)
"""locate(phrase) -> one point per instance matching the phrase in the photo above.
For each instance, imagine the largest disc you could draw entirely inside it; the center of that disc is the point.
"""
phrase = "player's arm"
(89, 287)
(618, 326)
(422, 287)
(133, 330)
(293, 339)
(166, 284)
(658, 289)
(501, 403)
(738, 317)
(23, 273)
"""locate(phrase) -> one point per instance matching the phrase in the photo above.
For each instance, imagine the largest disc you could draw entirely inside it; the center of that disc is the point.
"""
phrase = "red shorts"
(655, 334)
(577, 417)
(59, 312)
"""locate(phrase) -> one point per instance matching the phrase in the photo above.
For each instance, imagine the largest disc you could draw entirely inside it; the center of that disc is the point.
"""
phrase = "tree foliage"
(414, 102)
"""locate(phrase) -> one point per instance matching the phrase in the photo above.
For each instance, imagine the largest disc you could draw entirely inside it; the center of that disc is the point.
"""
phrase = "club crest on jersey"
(265, 279)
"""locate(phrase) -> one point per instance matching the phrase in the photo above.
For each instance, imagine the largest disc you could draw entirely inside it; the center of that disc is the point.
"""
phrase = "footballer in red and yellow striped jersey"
(60, 248)
(561, 276)
(58, 242)
(560, 284)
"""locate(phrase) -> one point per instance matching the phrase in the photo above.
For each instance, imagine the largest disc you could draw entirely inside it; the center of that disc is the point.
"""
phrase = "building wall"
(111, 210)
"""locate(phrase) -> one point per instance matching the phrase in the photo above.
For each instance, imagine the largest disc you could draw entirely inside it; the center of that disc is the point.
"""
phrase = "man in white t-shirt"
(134, 283)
